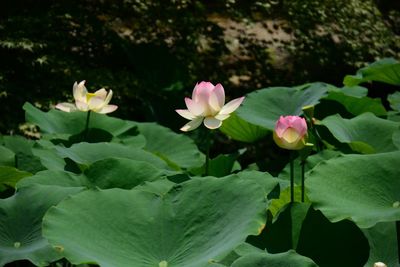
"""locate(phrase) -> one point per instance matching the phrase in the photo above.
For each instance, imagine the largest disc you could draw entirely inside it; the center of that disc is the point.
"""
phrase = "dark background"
(151, 53)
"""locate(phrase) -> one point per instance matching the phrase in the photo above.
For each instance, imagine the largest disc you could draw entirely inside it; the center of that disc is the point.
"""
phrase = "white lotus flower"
(84, 101)
(208, 106)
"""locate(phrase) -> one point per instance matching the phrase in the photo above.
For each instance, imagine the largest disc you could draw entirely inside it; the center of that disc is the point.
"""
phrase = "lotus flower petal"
(79, 91)
(84, 101)
(212, 123)
(108, 98)
(202, 91)
(82, 106)
(195, 108)
(102, 93)
(95, 103)
(290, 132)
(186, 114)
(231, 106)
(67, 107)
(107, 109)
(191, 125)
(217, 98)
(222, 117)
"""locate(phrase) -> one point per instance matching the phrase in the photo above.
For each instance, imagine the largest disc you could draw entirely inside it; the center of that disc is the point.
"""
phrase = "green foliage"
(263, 107)
(361, 187)
(20, 225)
(386, 70)
(129, 193)
(365, 133)
(197, 222)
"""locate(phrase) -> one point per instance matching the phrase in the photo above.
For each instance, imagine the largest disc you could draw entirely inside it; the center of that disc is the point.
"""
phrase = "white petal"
(192, 124)
(82, 106)
(79, 91)
(231, 106)
(108, 98)
(217, 97)
(95, 103)
(186, 114)
(67, 107)
(212, 123)
(222, 117)
(107, 109)
(195, 108)
(102, 93)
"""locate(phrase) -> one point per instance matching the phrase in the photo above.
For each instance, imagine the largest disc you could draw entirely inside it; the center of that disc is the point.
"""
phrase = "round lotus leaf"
(21, 224)
(364, 188)
(194, 224)
(286, 259)
(264, 107)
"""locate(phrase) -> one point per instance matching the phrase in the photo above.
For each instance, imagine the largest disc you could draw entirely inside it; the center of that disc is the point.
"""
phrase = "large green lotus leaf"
(394, 100)
(7, 157)
(197, 222)
(332, 244)
(265, 180)
(383, 244)
(24, 158)
(283, 233)
(356, 105)
(56, 179)
(365, 133)
(286, 259)
(264, 107)
(220, 166)
(108, 173)
(386, 70)
(396, 138)
(57, 122)
(20, 225)
(328, 244)
(122, 173)
(241, 130)
(10, 175)
(356, 91)
(363, 188)
(47, 153)
(178, 150)
(87, 153)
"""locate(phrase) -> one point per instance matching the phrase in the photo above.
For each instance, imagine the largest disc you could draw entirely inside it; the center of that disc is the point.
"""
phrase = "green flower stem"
(207, 167)
(208, 145)
(86, 126)
(303, 163)
(291, 177)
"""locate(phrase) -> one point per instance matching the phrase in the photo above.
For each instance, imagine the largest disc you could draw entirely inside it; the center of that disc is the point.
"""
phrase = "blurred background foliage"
(151, 53)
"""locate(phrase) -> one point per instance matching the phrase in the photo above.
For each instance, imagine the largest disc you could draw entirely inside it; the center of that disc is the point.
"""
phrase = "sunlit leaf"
(264, 107)
(21, 223)
(197, 222)
(363, 188)
(241, 130)
(365, 133)
(385, 70)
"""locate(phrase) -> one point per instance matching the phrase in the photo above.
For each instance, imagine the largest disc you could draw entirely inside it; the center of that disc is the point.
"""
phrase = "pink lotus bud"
(207, 105)
(291, 132)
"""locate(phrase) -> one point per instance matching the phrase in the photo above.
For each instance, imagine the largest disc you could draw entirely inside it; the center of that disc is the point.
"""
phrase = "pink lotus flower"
(291, 132)
(208, 106)
(84, 101)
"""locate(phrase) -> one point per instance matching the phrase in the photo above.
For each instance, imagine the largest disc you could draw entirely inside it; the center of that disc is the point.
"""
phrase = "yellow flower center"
(291, 135)
(89, 96)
